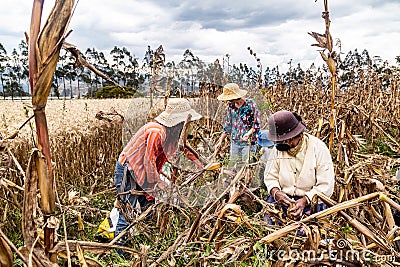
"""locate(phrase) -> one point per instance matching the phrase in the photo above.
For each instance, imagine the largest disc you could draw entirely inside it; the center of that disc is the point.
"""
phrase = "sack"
(107, 226)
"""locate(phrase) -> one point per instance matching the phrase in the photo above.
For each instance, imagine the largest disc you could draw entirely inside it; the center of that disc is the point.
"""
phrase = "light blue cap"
(263, 140)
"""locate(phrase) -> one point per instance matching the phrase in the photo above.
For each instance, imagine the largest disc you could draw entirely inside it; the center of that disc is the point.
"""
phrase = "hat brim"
(278, 138)
(171, 120)
(225, 97)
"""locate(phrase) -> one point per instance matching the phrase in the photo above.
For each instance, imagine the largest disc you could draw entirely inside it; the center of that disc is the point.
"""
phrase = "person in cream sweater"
(302, 167)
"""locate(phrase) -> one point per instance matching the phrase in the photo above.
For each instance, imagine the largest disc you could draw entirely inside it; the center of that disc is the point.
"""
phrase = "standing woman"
(139, 164)
(242, 124)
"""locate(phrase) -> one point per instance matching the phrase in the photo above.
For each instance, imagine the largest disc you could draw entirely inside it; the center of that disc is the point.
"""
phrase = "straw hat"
(231, 91)
(176, 111)
(284, 125)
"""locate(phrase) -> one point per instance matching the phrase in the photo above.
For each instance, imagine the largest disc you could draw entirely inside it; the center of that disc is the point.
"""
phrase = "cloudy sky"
(275, 29)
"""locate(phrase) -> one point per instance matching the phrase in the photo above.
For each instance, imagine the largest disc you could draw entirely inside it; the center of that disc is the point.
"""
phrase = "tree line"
(137, 75)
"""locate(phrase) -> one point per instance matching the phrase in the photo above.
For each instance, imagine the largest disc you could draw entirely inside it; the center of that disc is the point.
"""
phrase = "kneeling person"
(302, 166)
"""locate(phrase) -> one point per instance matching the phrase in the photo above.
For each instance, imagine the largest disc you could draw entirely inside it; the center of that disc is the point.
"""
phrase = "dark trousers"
(124, 180)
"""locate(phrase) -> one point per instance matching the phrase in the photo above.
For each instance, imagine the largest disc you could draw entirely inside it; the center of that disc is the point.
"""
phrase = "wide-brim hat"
(176, 111)
(231, 91)
(284, 125)
(263, 140)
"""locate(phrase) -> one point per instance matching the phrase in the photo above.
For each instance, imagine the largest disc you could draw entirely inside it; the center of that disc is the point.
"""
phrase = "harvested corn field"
(212, 219)
(58, 190)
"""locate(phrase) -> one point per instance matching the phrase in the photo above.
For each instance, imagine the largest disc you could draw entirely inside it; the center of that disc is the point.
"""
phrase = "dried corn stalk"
(6, 257)
(325, 41)
(44, 50)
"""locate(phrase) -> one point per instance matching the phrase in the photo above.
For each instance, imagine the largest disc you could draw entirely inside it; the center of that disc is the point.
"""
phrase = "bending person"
(139, 165)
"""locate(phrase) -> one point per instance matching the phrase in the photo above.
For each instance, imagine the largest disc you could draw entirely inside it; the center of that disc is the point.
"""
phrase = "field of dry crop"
(62, 116)
(56, 189)
(211, 225)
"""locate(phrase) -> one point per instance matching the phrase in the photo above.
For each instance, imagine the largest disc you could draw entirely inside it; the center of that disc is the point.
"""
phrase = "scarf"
(293, 151)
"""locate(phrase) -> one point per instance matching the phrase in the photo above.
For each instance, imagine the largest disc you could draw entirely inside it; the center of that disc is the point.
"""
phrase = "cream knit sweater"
(316, 175)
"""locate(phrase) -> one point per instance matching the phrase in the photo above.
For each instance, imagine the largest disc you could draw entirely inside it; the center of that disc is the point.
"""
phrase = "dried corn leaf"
(47, 194)
(81, 255)
(81, 226)
(378, 171)
(47, 50)
(30, 203)
(212, 166)
(6, 256)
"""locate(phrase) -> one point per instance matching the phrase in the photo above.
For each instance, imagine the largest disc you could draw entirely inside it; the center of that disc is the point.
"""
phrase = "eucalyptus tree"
(250, 77)
(23, 58)
(16, 74)
(78, 72)
(132, 72)
(310, 75)
(3, 66)
(171, 72)
(273, 76)
(153, 66)
(104, 67)
(382, 70)
(125, 66)
(294, 76)
(86, 78)
(195, 65)
(349, 69)
(189, 67)
(60, 71)
(13, 88)
(70, 73)
(55, 85)
(235, 74)
(244, 69)
(354, 64)
(148, 57)
(128, 65)
(92, 56)
(148, 64)
(214, 73)
(118, 65)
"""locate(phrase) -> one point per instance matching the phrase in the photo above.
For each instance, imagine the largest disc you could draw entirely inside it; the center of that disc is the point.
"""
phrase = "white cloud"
(276, 29)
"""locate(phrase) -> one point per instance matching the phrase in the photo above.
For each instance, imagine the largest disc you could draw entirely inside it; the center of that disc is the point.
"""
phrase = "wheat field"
(62, 115)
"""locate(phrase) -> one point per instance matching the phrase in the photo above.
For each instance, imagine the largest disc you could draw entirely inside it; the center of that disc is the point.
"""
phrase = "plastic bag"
(107, 226)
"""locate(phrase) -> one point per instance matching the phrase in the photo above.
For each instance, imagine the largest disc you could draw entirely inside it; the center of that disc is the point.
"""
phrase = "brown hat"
(176, 111)
(284, 125)
(231, 91)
